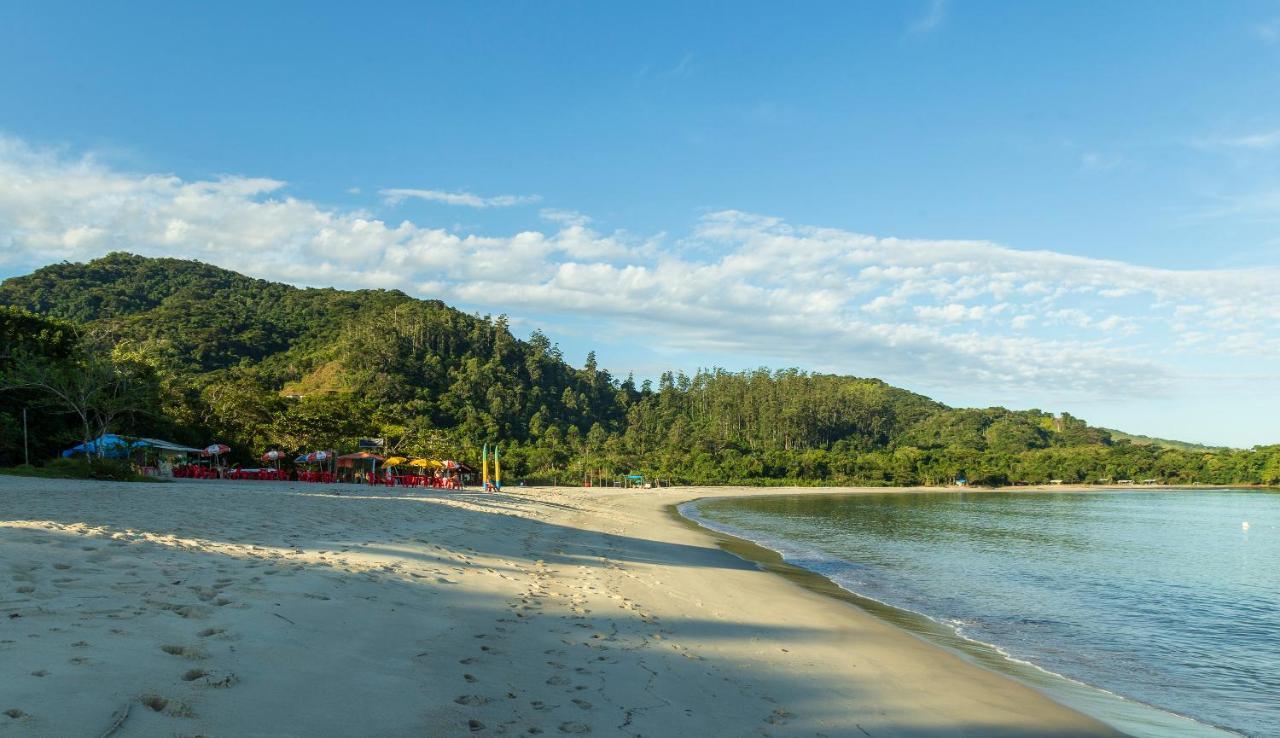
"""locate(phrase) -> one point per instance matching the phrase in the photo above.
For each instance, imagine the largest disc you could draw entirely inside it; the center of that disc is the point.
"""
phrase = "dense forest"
(195, 353)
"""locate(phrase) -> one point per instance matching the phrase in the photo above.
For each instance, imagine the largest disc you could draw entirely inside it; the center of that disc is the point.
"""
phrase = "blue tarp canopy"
(112, 446)
(164, 446)
(109, 446)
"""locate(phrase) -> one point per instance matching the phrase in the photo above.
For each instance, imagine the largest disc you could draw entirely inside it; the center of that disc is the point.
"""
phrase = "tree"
(98, 390)
(208, 354)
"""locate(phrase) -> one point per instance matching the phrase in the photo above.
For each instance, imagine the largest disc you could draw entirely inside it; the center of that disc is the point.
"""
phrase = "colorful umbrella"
(424, 463)
(394, 461)
(301, 459)
(318, 456)
(216, 449)
(451, 465)
(273, 456)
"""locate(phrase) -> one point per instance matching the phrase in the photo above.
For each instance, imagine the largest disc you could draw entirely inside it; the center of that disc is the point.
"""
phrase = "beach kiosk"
(166, 454)
(361, 464)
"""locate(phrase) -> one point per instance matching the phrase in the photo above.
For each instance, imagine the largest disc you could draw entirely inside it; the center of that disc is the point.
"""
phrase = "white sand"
(267, 609)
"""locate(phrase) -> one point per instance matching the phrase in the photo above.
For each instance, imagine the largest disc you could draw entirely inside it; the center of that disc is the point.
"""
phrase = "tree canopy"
(260, 365)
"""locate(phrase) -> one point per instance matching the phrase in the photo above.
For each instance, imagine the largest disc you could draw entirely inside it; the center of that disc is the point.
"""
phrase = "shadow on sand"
(419, 617)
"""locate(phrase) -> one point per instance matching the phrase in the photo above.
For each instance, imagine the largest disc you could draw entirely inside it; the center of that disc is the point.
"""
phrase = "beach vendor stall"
(452, 473)
(363, 466)
(157, 457)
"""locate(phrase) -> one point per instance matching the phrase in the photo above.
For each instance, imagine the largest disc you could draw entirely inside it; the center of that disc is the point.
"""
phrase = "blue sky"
(1071, 206)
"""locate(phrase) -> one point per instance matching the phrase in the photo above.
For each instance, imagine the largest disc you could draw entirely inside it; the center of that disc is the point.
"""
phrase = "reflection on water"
(1163, 597)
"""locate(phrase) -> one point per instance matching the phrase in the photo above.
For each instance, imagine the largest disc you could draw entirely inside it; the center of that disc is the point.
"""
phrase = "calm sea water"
(1164, 598)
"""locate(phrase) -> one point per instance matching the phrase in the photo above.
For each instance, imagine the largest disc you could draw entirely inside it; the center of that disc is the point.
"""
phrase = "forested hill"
(261, 365)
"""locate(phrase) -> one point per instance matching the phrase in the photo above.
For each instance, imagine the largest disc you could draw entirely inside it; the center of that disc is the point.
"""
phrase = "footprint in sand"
(471, 699)
(574, 728)
(216, 679)
(186, 652)
(165, 705)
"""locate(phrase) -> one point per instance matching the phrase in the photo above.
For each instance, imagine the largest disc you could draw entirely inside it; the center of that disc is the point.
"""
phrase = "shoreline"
(1122, 713)
(202, 607)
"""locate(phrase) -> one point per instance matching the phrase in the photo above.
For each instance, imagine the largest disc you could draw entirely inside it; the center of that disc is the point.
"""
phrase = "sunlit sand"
(222, 608)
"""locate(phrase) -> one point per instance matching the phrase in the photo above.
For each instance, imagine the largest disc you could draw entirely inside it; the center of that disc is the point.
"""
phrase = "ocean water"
(1151, 599)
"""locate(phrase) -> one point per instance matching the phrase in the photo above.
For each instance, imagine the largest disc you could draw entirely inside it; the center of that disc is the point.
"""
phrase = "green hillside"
(1141, 440)
(263, 365)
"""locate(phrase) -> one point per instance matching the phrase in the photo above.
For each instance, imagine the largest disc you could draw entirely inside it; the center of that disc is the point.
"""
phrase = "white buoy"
(1244, 525)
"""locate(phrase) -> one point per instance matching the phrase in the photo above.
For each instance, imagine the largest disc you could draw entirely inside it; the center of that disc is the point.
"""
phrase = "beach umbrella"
(424, 463)
(450, 465)
(395, 461)
(216, 449)
(273, 456)
(360, 456)
(302, 459)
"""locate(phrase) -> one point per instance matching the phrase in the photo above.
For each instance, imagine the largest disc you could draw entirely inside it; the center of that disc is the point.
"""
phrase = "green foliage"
(257, 365)
(78, 468)
(25, 335)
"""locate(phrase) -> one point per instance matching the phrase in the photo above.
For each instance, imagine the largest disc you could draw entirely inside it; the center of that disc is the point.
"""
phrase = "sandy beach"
(272, 609)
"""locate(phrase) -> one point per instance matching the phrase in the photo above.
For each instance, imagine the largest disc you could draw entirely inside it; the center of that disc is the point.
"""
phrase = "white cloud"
(936, 313)
(568, 217)
(1268, 30)
(934, 16)
(1260, 141)
(1093, 161)
(1262, 205)
(951, 313)
(464, 199)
